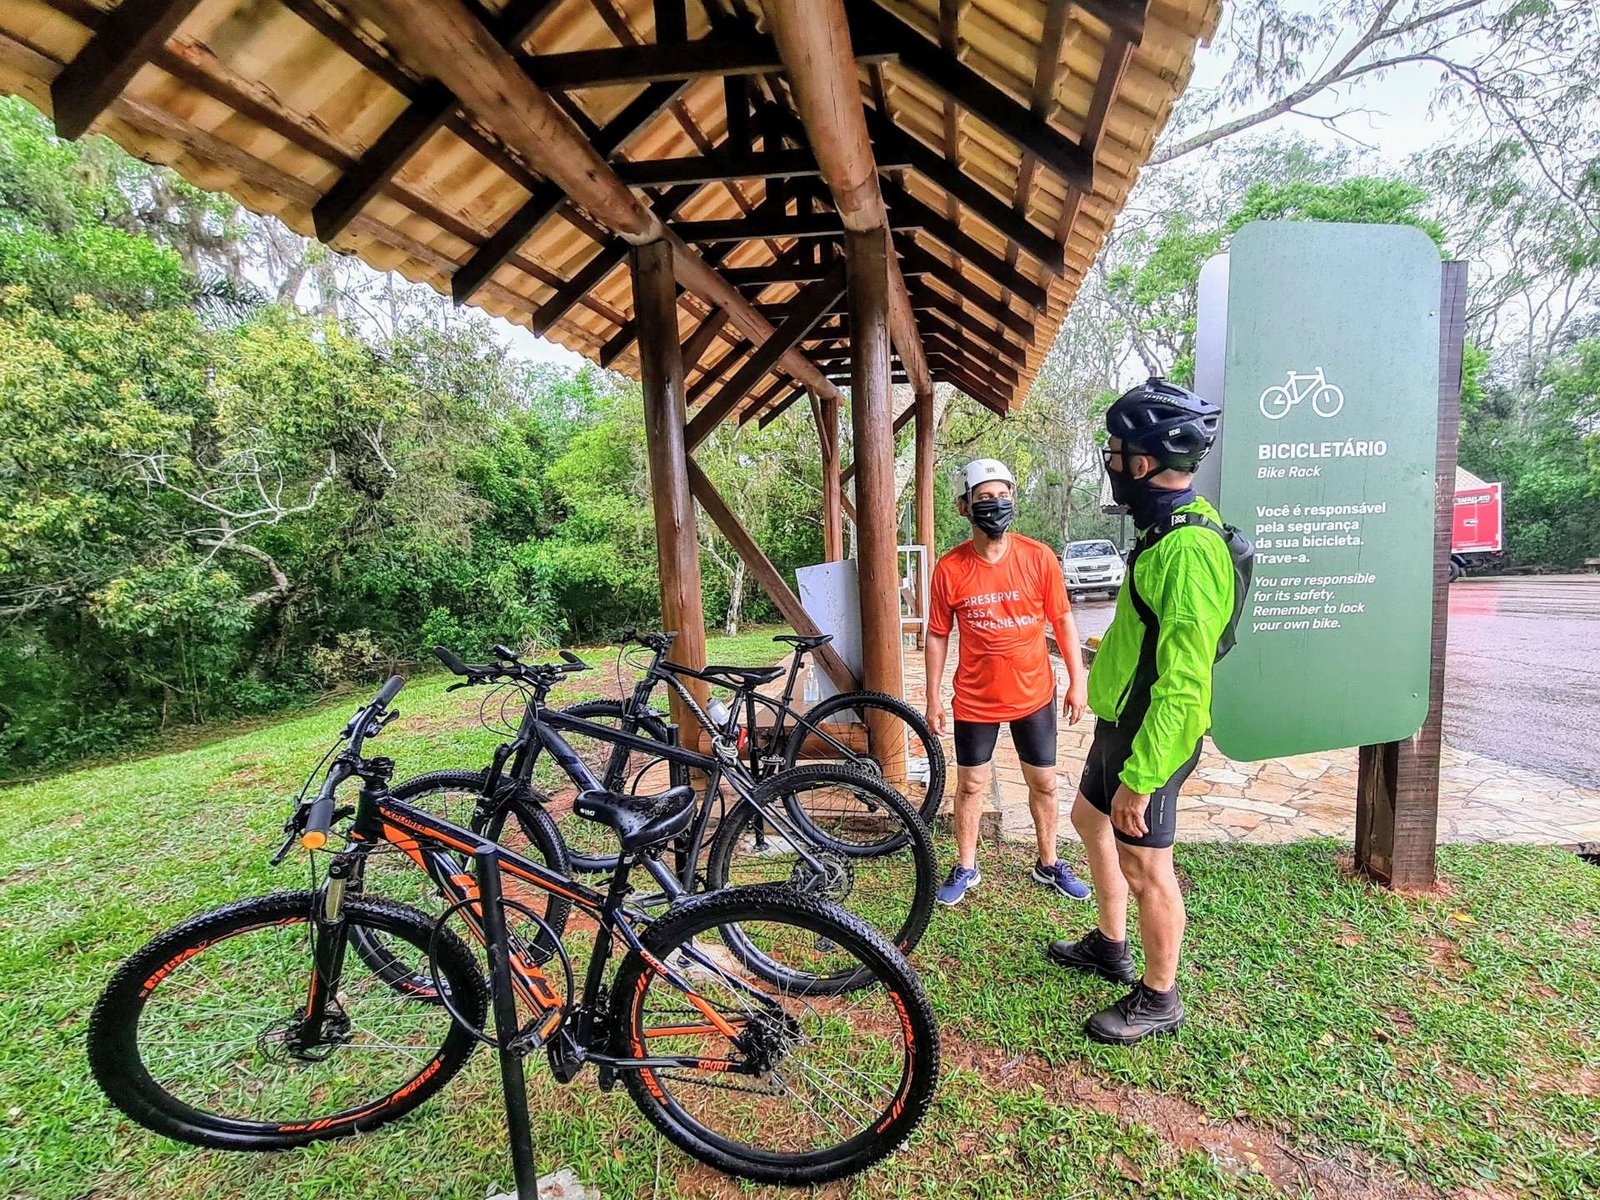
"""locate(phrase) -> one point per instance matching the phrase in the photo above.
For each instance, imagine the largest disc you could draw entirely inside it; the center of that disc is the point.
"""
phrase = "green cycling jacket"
(1187, 579)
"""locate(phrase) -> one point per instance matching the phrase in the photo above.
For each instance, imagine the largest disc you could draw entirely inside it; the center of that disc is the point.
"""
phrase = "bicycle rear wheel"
(876, 733)
(198, 1035)
(593, 847)
(804, 1091)
(835, 854)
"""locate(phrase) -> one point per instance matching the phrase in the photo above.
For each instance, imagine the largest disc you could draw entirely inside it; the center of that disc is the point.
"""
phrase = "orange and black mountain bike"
(252, 1028)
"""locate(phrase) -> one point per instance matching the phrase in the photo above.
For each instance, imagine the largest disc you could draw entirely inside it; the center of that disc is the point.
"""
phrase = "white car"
(1092, 566)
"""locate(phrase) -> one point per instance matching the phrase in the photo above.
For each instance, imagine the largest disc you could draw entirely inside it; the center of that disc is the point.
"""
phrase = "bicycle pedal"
(537, 1032)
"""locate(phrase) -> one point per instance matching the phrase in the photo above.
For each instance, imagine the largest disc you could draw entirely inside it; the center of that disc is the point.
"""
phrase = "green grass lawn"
(1341, 1041)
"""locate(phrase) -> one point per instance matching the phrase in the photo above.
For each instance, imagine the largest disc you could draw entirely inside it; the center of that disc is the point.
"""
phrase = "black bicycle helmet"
(1169, 423)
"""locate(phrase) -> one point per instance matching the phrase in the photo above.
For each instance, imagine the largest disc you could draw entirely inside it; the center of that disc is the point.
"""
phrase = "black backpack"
(1240, 550)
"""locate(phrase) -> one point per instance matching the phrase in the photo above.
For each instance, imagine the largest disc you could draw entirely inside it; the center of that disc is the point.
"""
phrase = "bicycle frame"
(540, 730)
(764, 743)
(435, 845)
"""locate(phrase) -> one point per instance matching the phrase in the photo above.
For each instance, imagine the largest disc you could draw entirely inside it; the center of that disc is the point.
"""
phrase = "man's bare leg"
(972, 785)
(1105, 868)
(1162, 918)
(1042, 805)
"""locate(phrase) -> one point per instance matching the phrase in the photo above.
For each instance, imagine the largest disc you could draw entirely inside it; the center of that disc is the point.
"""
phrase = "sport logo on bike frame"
(1326, 399)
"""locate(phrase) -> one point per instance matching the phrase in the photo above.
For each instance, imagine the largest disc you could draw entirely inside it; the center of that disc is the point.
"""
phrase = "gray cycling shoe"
(1093, 954)
(1140, 1014)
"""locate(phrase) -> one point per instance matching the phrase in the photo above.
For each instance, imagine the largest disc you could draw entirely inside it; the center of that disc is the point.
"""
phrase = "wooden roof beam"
(966, 289)
(870, 22)
(805, 312)
(602, 264)
(912, 213)
(427, 113)
(454, 47)
(765, 223)
(719, 167)
(820, 52)
(547, 199)
(714, 54)
(1120, 16)
(938, 170)
(127, 40)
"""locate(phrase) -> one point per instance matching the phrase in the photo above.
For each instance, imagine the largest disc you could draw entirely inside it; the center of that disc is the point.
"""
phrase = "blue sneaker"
(957, 884)
(1061, 878)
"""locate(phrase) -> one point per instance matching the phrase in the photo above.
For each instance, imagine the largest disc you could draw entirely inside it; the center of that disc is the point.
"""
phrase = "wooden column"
(677, 548)
(832, 495)
(923, 493)
(1397, 783)
(877, 560)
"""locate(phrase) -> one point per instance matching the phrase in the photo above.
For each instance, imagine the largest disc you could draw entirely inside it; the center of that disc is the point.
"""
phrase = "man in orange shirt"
(1001, 588)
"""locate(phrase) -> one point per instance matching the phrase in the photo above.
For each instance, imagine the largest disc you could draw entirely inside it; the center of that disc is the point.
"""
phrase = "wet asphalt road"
(1520, 673)
(1520, 682)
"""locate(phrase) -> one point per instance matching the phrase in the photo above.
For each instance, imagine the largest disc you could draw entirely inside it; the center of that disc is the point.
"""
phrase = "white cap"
(986, 470)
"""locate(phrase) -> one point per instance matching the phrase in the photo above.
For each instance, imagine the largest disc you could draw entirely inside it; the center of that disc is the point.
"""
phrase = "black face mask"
(1146, 503)
(993, 515)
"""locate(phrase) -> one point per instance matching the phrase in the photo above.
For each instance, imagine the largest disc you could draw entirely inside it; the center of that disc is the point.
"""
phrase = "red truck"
(1478, 536)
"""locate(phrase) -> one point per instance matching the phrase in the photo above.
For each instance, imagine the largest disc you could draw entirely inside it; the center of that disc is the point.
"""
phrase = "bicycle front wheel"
(876, 733)
(837, 854)
(199, 1036)
(768, 1085)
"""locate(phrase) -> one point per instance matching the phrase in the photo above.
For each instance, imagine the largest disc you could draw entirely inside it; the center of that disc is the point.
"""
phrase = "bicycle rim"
(199, 1036)
(808, 1088)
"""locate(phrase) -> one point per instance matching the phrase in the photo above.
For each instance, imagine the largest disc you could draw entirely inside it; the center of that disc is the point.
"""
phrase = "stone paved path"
(1279, 800)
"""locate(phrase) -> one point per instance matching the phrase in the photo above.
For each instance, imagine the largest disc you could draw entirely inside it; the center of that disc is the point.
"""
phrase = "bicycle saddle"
(800, 642)
(640, 821)
(730, 677)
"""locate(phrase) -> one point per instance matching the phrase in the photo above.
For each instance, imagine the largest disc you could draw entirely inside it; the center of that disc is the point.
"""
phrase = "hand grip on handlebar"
(574, 660)
(314, 834)
(451, 660)
(389, 692)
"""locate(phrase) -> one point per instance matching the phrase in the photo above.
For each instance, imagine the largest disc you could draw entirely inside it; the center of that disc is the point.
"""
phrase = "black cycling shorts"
(1108, 754)
(1034, 735)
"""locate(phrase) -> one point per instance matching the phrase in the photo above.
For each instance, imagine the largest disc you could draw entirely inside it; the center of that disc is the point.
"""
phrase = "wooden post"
(1397, 783)
(924, 493)
(877, 560)
(677, 548)
(832, 495)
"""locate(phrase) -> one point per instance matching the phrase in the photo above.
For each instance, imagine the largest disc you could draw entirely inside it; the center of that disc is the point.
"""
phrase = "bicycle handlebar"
(389, 691)
(509, 667)
(314, 833)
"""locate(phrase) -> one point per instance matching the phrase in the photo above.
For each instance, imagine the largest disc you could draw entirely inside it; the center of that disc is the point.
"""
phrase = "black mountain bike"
(871, 731)
(826, 830)
(251, 1027)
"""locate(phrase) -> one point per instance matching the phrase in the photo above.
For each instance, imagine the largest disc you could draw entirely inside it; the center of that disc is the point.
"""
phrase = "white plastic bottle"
(813, 686)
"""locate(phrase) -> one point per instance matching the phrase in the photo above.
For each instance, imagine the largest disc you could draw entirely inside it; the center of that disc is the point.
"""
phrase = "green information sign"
(1331, 397)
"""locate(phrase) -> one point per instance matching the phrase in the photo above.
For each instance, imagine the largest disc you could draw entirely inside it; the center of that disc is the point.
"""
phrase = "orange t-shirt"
(1003, 671)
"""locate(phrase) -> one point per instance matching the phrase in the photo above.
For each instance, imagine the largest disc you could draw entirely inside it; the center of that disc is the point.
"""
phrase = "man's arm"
(1058, 609)
(1193, 602)
(936, 647)
(1076, 701)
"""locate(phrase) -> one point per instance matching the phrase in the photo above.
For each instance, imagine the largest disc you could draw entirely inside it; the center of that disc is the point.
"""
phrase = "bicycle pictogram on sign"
(1326, 399)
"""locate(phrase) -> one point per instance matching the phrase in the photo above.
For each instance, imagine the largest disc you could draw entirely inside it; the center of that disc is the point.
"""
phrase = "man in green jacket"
(1150, 687)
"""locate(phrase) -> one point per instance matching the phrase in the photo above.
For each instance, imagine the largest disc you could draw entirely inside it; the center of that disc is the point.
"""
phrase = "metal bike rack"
(512, 1079)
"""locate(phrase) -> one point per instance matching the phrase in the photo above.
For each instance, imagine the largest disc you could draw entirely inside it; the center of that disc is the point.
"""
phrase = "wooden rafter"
(609, 258)
(124, 43)
(548, 198)
(806, 310)
(427, 113)
(871, 23)
(894, 146)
